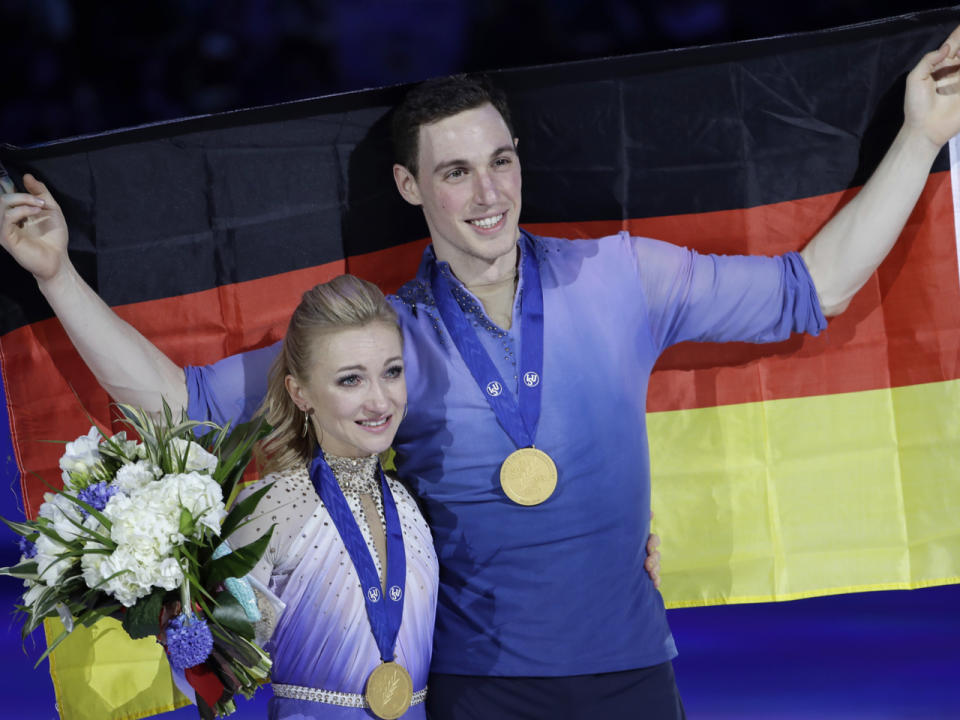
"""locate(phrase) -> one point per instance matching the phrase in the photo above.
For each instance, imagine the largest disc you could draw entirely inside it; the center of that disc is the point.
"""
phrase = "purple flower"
(27, 548)
(97, 496)
(189, 641)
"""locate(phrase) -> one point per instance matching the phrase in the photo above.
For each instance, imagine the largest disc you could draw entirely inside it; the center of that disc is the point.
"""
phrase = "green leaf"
(82, 529)
(94, 615)
(104, 520)
(45, 606)
(26, 529)
(95, 602)
(233, 645)
(235, 453)
(230, 613)
(237, 563)
(143, 619)
(197, 585)
(51, 647)
(187, 524)
(241, 511)
(26, 569)
(48, 530)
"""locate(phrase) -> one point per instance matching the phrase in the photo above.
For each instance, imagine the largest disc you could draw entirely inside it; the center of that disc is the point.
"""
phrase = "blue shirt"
(558, 588)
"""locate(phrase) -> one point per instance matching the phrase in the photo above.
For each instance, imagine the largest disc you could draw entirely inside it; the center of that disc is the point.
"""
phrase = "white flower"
(131, 582)
(197, 458)
(168, 574)
(145, 529)
(130, 449)
(33, 594)
(50, 569)
(80, 456)
(91, 562)
(60, 510)
(202, 497)
(133, 476)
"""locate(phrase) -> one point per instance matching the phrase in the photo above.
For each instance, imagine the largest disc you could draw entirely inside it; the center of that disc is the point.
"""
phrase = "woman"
(338, 385)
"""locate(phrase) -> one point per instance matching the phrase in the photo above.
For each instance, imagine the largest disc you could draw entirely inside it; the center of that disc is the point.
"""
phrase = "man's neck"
(477, 271)
(493, 283)
(498, 298)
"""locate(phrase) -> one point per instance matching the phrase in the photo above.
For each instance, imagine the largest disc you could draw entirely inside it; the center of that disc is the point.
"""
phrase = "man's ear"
(407, 185)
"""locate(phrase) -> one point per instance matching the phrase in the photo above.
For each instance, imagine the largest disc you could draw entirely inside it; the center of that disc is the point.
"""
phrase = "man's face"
(468, 185)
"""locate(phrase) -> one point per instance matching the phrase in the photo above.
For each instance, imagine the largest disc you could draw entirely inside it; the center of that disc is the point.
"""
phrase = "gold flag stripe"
(787, 499)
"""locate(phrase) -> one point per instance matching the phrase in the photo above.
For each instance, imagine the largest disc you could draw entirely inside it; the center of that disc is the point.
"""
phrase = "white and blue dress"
(310, 595)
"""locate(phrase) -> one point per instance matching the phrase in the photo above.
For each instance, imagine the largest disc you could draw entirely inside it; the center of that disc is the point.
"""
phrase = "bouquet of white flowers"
(139, 532)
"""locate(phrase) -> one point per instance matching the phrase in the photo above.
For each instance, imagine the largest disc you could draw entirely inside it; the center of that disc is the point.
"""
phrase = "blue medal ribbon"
(384, 613)
(517, 416)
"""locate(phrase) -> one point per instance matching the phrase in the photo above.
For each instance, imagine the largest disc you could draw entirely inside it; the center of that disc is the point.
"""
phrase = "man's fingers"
(653, 541)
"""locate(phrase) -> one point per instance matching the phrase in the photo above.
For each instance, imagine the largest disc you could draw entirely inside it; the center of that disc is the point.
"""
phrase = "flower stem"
(185, 605)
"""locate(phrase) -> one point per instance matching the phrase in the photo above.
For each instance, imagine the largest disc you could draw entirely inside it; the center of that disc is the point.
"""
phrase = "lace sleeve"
(285, 507)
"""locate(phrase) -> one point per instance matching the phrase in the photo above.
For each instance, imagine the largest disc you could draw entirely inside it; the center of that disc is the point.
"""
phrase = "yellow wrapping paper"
(100, 673)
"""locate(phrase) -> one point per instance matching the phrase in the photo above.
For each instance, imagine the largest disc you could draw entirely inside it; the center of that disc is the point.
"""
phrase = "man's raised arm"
(129, 367)
(847, 250)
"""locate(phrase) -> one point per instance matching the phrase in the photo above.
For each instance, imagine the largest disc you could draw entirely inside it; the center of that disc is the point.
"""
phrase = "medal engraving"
(389, 690)
(528, 476)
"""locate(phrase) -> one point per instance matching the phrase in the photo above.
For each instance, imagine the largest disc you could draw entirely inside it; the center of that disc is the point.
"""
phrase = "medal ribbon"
(384, 610)
(517, 416)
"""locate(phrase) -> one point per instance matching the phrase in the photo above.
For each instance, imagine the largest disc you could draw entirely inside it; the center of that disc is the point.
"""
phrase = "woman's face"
(355, 388)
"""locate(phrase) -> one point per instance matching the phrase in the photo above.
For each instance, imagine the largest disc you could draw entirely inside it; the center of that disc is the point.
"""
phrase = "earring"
(306, 423)
(404, 412)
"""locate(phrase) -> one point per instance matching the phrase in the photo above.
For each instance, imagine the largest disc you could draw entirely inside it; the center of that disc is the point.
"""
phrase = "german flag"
(808, 467)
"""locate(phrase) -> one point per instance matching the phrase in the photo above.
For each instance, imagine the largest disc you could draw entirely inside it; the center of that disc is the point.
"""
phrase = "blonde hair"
(344, 302)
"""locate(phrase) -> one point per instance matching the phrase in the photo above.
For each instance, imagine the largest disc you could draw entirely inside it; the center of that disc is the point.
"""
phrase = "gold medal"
(528, 476)
(389, 691)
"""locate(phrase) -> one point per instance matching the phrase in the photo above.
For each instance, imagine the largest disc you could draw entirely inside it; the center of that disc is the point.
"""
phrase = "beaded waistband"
(333, 697)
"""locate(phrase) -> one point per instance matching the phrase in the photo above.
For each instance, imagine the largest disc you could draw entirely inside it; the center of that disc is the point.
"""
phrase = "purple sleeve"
(722, 298)
(231, 389)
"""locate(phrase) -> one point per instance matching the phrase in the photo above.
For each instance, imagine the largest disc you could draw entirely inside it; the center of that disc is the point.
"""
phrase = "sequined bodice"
(359, 479)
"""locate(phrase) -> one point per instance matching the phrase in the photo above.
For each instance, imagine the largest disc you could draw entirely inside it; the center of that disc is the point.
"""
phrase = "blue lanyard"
(517, 416)
(384, 613)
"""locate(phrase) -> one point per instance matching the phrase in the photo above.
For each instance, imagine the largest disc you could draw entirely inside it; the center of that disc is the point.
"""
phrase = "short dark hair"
(435, 100)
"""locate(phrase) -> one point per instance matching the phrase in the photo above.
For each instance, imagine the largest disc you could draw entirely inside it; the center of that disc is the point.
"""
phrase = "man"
(544, 610)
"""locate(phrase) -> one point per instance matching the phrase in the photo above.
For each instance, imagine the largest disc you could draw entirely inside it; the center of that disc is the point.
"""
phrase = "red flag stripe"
(902, 329)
